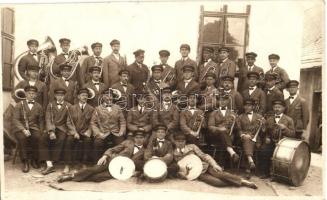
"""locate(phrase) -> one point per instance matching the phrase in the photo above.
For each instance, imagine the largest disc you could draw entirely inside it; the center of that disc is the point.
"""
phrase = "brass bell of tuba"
(20, 94)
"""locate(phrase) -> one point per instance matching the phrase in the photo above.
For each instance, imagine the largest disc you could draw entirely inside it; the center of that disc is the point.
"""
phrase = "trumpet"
(254, 139)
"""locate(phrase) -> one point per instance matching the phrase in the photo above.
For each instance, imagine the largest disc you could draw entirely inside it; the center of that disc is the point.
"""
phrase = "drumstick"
(121, 170)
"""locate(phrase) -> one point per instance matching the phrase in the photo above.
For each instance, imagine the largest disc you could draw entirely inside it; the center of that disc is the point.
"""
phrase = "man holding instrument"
(133, 149)
(212, 173)
(28, 126)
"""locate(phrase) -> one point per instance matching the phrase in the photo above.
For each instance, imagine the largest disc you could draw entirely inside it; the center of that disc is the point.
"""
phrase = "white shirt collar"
(188, 81)
(271, 88)
(186, 58)
(225, 59)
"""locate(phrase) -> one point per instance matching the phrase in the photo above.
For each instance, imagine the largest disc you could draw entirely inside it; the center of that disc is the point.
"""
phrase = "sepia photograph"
(163, 99)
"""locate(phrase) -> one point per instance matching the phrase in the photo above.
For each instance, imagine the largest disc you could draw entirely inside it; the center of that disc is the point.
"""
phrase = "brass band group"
(84, 111)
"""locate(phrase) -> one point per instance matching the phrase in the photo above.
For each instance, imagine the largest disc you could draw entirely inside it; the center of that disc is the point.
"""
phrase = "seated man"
(212, 173)
(236, 99)
(133, 149)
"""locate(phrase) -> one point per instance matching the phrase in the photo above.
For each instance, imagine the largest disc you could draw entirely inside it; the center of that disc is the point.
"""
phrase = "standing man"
(95, 60)
(282, 76)
(139, 72)
(272, 92)
(30, 59)
(297, 108)
(112, 64)
(168, 75)
(62, 57)
(28, 126)
(208, 65)
(185, 50)
(227, 66)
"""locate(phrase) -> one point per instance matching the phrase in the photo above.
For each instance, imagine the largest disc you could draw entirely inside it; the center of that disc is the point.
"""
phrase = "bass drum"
(191, 166)
(291, 161)
(155, 170)
(121, 168)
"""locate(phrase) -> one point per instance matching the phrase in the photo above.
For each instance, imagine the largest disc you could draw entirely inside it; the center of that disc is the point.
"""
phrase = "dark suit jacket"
(282, 77)
(259, 96)
(111, 68)
(56, 118)
(299, 112)
(193, 86)
(25, 61)
(42, 92)
(136, 120)
(35, 117)
(71, 90)
(84, 75)
(271, 96)
(138, 75)
(226, 68)
(187, 120)
(126, 101)
(272, 128)
(237, 101)
(179, 68)
(165, 152)
(126, 148)
(168, 117)
(78, 121)
(243, 79)
(94, 102)
(217, 119)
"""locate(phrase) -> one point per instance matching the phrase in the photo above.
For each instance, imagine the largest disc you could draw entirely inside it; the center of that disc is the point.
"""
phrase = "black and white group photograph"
(162, 99)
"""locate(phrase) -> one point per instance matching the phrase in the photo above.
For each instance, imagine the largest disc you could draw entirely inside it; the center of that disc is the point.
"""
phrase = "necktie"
(124, 84)
(30, 102)
(82, 107)
(34, 54)
(141, 110)
(277, 116)
(251, 88)
(59, 104)
(97, 83)
(291, 97)
(223, 108)
(157, 81)
(249, 113)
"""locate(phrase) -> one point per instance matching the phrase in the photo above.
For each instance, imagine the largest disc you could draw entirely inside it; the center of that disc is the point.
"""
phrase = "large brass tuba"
(47, 50)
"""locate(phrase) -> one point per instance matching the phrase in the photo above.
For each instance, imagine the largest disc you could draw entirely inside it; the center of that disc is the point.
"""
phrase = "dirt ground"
(33, 186)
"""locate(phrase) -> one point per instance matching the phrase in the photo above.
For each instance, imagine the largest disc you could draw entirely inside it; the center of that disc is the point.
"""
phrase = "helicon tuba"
(20, 94)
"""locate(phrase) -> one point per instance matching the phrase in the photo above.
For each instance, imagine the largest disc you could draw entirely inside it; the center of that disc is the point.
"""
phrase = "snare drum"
(121, 168)
(291, 161)
(155, 170)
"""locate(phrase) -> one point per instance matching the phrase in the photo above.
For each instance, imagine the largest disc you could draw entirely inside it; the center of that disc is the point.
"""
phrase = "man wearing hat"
(168, 74)
(255, 93)
(278, 126)
(236, 99)
(250, 66)
(185, 50)
(272, 92)
(227, 66)
(190, 120)
(212, 172)
(249, 123)
(52, 143)
(112, 64)
(167, 113)
(188, 83)
(155, 84)
(62, 57)
(297, 108)
(133, 149)
(139, 72)
(282, 76)
(209, 90)
(208, 65)
(32, 79)
(95, 85)
(70, 85)
(32, 58)
(91, 61)
(126, 89)
(108, 123)
(79, 141)
(28, 126)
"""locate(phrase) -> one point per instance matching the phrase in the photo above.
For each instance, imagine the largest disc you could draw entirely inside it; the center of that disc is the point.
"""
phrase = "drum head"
(155, 169)
(194, 163)
(121, 168)
(300, 164)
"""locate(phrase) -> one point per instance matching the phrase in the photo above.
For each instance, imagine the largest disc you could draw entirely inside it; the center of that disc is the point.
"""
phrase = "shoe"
(48, 170)
(249, 184)
(252, 165)
(235, 158)
(26, 167)
(35, 164)
(64, 178)
(264, 176)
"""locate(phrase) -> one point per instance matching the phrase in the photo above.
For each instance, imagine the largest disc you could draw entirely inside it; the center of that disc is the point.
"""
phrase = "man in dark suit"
(208, 65)
(108, 124)
(272, 92)
(133, 149)
(112, 64)
(139, 72)
(227, 66)
(168, 72)
(28, 126)
(282, 76)
(78, 141)
(297, 108)
(236, 99)
(30, 59)
(70, 86)
(62, 57)
(188, 84)
(255, 93)
(185, 60)
(95, 84)
(91, 61)
(249, 67)
(52, 143)
(155, 84)
(207, 93)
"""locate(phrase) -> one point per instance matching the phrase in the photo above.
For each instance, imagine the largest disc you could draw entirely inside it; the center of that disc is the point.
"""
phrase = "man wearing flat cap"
(185, 50)
(227, 66)
(32, 58)
(168, 74)
(139, 72)
(250, 65)
(188, 84)
(112, 64)
(282, 76)
(236, 103)
(91, 61)
(208, 65)
(208, 91)
(155, 84)
(63, 56)
(272, 92)
(297, 108)
(95, 84)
